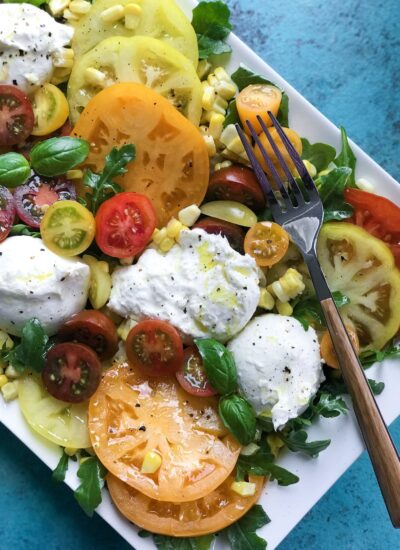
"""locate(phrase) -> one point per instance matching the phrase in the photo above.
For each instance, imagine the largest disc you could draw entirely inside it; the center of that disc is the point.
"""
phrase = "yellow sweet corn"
(12, 373)
(174, 227)
(310, 168)
(79, 7)
(132, 16)
(220, 104)
(275, 444)
(249, 449)
(159, 235)
(203, 68)
(221, 74)
(166, 244)
(226, 90)
(125, 327)
(266, 300)
(10, 391)
(64, 58)
(212, 80)
(151, 462)
(216, 125)
(133, 9)
(70, 451)
(95, 77)
(365, 185)
(221, 165)
(288, 286)
(56, 7)
(211, 147)
(244, 488)
(112, 14)
(188, 216)
(208, 98)
(284, 308)
(127, 261)
(67, 14)
(74, 174)
(3, 380)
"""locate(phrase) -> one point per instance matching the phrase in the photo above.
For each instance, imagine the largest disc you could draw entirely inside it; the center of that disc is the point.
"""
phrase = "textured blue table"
(343, 55)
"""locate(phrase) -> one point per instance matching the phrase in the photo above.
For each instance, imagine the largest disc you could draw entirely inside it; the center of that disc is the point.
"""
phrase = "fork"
(300, 212)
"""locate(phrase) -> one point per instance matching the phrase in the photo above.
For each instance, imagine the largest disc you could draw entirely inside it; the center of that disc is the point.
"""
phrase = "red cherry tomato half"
(94, 329)
(192, 375)
(16, 116)
(377, 215)
(72, 372)
(7, 212)
(232, 232)
(236, 183)
(125, 224)
(33, 198)
(155, 347)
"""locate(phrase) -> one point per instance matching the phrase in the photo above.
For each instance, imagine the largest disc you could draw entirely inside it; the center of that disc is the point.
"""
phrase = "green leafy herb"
(308, 310)
(232, 115)
(22, 229)
(261, 464)
(283, 113)
(14, 169)
(211, 21)
(219, 364)
(61, 468)
(296, 441)
(242, 534)
(368, 358)
(333, 384)
(331, 188)
(346, 157)
(319, 154)
(189, 543)
(376, 387)
(88, 494)
(30, 353)
(239, 417)
(328, 405)
(102, 185)
(55, 156)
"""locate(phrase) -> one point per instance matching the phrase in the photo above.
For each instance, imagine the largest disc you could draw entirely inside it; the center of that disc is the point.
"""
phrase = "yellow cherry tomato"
(230, 211)
(258, 99)
(67, 228)
(50, 107)
(267, 243)
(295, 141)
(100, 281)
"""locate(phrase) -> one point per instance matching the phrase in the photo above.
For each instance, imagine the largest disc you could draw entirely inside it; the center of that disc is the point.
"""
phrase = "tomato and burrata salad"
(155, 323)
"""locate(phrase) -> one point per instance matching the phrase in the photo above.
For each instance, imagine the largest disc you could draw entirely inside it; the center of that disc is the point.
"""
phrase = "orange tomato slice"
(130, 415)
(172, 164)
(209, 514)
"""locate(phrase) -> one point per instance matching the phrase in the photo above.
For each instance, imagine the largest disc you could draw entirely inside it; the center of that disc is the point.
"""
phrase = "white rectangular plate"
(316, 476)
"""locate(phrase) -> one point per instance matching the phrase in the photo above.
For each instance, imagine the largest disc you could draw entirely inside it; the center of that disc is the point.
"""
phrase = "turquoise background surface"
(343, 55)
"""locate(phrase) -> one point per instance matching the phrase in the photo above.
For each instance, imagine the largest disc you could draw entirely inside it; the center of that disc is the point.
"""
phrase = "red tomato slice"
(232, 232)
(236, 183)
(16, 116)
(192, 375)
(155, 347)
(125, 224)
(72, 372)
(7, 212)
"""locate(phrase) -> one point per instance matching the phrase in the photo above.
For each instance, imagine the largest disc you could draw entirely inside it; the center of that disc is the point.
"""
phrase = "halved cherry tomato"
(50, 108)
(16, 116)
(72, 372)
(236, 183)
(377, 215)
(267, 243)
(34, 197)
(192, 375)
(154, 347)
(232, 232)
(67, 228)
(7, 212)
(125, 224)
(328, 353)
(94, 329)
(258, 99)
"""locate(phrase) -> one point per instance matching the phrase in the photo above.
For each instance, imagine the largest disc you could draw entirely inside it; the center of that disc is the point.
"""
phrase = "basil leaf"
(261, 464)
(376, 387)
(88, 494)
(57, 155)
(14, 169)
(211, 21)
(22, 229)
(219, 364)
(242, 534)
(296, 441)
(346, 157)
(61, 468)
(368, 358)
(319, 154)
(283, 113)
(331, 188)
(329, 406)
(30, 354)
(189, 543)
(239, 417)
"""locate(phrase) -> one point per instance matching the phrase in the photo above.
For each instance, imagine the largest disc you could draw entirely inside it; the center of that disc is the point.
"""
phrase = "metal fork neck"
(318, 279)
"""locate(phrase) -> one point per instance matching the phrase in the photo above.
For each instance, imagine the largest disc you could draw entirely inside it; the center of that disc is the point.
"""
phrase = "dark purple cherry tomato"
(192, 375)
(72, 372)
(37, 194)
(232, 232)
(7, 212)
(236, 183)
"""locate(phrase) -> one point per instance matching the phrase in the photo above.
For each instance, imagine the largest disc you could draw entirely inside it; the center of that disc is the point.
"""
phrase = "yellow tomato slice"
(295, 141)
(209, 514)
(256, 100)
(362, 267)
(267, 243)
(171, 166)
(230, 211)
(50, 107)
(130, 415)
(59, 422)
(67, 228)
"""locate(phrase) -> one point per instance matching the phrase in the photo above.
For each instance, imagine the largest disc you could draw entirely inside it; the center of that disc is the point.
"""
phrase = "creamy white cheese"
(35, 282)
(201, 286)
(29, 37)
(279, 366)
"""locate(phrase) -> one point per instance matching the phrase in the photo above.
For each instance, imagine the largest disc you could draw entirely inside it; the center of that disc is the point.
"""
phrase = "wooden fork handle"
(382, 451)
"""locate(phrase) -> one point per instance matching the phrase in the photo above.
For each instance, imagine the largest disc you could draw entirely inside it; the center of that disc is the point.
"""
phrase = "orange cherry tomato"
(209, 514)
(258, 99)
(327, 350)
(295, 141)
(267, 243)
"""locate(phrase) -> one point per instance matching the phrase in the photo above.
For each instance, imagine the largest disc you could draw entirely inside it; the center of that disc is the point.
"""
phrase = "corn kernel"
(3, 380)
(288, 286)
(211, 148)
(70, 451)
(166, 244)
(203, 68)
(125, 327)
(95, 77)
(225, 89)
(244, 488)
(10, 391)
(159, 235)
(12, 373)
(221, 165)
(216, 125)
(284, 308)
(310, 168)
(206, 116)
(58, 6)
(133, 9)
(151, 463)
(132, 16)
(249, 449)
(266, 300)
(221, 74)
(212, 80)
(79, 7)
(67, 14)
(209, 97)
(112, 14)
(365, 185)
(189, 215)
(74, 174)
(275, 444)
(174, 228)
